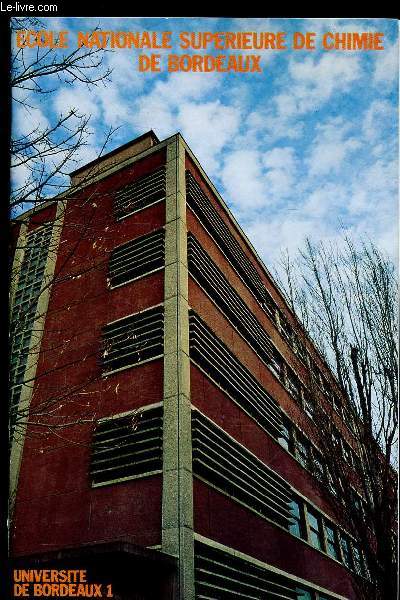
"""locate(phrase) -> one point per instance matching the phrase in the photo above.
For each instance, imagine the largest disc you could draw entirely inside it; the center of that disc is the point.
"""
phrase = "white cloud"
(79, 98)
(209, 127)
(255, 180)
(158, 109)
(272, 235)
(28, 119)
(380, 115)
(331, 146)
(324, 201)
(387, 65)
(181, 103)
(281, 173)
(242, 178)
(280, 158)
(186, 86)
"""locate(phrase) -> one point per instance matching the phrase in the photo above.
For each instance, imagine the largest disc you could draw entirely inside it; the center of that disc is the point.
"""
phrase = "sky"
(307, 148)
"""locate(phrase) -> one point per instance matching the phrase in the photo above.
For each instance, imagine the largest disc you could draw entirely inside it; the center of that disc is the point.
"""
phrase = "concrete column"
(17, 262)
(177, 522)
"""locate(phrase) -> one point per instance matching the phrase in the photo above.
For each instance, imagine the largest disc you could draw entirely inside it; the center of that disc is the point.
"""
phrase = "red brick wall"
(56, 506)
(227, 522)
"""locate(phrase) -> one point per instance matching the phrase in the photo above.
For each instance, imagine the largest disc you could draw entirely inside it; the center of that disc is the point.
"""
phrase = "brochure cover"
(203, 307)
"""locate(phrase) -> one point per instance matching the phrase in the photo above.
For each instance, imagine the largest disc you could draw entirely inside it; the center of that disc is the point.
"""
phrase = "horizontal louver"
(221, 461)
(137, 258)
(207, 274)
(220, 575)
(133, 339)
(223, 367)
(140, 193)
(221, 233)
(127, 447)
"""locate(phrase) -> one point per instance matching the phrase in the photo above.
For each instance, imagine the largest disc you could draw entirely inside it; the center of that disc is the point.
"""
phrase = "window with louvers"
(222, 575)
(127, 447)
(218, 362)
(137, 258)
(218, 229)
(133, 339)
(208, 275)
(221, 461)
(139, 194)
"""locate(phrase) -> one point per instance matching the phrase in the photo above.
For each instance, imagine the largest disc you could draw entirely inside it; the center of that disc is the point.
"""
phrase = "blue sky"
(308, 147)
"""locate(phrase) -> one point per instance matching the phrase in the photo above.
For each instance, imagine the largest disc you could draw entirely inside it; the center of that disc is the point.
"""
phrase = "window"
(203, 208)
(331, 483)
(307, 523)
(303, 594)
(332, 546)
(346, 551)
(224, 463)
(275, 364)
(269, 305)
(347, 453)
(296, 526)
(315, 529)
(302, 450)
(293, 384)
(203, 269)
(127, 447)
(309, 405)
(136, 258)
(337, 405)
(286, 437)
(139, 194)
(222, 366)
(25, 303)
(318, 465)
(358, 560)
(358, 503)
(133, 339)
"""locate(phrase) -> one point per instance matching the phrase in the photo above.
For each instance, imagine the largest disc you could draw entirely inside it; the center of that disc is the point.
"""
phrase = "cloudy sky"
(308, 147)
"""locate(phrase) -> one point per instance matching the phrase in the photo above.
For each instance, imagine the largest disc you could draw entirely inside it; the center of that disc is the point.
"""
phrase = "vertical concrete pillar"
(17, 262)
(177, 524)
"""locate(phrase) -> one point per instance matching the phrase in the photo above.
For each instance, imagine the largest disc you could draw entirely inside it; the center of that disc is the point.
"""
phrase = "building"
(170, 439)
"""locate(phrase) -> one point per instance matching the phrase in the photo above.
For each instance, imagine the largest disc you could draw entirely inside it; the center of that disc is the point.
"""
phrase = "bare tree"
(41, 158)
(42, 155)
(346, 298)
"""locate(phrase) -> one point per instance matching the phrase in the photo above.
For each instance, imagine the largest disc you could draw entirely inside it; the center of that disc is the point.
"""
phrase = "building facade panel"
(214, 403)
(129, 511)
(172, 357)
(220, 519)
(82, 303)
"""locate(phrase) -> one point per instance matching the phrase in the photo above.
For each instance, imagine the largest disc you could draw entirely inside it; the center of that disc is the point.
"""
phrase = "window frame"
(319, 531)
(299, 520)
(302, 442)
(332, 543)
